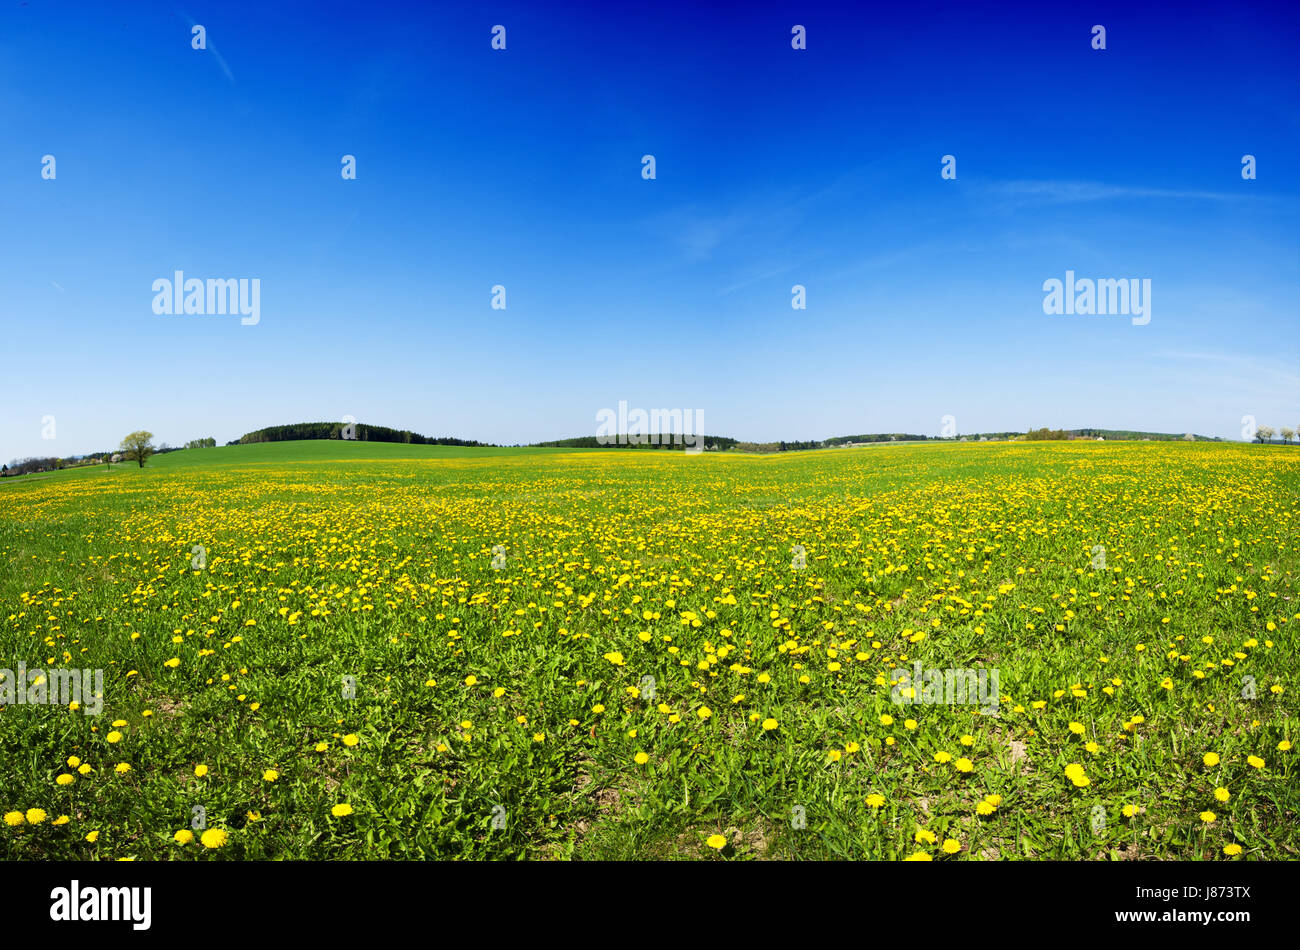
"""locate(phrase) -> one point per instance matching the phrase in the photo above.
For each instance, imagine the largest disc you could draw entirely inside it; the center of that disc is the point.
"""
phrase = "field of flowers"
(341, 650)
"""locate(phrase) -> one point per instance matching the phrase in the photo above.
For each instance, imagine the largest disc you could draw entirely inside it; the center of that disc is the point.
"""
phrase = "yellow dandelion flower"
(213, 838)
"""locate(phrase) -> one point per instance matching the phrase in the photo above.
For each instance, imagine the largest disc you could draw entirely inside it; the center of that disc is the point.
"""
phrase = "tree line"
(339, 430)
(136, 447)
(1266, 433)
(711, 443)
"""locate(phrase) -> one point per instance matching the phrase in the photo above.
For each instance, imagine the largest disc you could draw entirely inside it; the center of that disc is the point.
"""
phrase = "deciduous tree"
(138, 446)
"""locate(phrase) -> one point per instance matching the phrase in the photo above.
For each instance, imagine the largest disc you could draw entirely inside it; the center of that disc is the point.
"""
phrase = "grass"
(271, 453)
(650, 603)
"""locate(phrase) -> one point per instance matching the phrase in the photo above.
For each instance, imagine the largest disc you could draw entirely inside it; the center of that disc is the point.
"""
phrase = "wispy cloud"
(1070, 192)
(764, 217)
(1245, 373)
(761, 276)
(700, 235)
(221, 62)
(211, 48)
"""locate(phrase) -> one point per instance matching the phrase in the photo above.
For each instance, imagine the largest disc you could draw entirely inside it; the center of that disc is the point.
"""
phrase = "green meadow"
(347, 650)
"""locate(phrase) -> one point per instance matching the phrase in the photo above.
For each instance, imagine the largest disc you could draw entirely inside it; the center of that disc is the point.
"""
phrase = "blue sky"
(522, 167)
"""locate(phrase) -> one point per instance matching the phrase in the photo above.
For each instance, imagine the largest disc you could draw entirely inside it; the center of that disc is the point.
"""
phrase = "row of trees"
(1266, 433)
(769, 447)
(28, 466)
(722, 443)
(340, 430)
(712, 443)
(136, 447)
(875, 437)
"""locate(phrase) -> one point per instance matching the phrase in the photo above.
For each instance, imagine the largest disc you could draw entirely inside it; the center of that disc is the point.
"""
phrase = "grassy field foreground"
(388, 651)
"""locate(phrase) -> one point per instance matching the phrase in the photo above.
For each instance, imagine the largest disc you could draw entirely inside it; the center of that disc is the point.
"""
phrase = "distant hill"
(1131, 436)
(338, 430)
(717, 442)
(711, 443)
(361, 432)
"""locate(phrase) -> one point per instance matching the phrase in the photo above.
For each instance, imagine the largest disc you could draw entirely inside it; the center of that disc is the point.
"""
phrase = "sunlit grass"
(646, 674)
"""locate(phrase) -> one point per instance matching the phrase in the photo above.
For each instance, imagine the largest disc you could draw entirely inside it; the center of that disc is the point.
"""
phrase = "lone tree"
(1264, 433)
(1287, 434)
(138, 446)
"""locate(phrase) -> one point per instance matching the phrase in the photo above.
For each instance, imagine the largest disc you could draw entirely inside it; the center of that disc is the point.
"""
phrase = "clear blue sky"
(523, 168)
